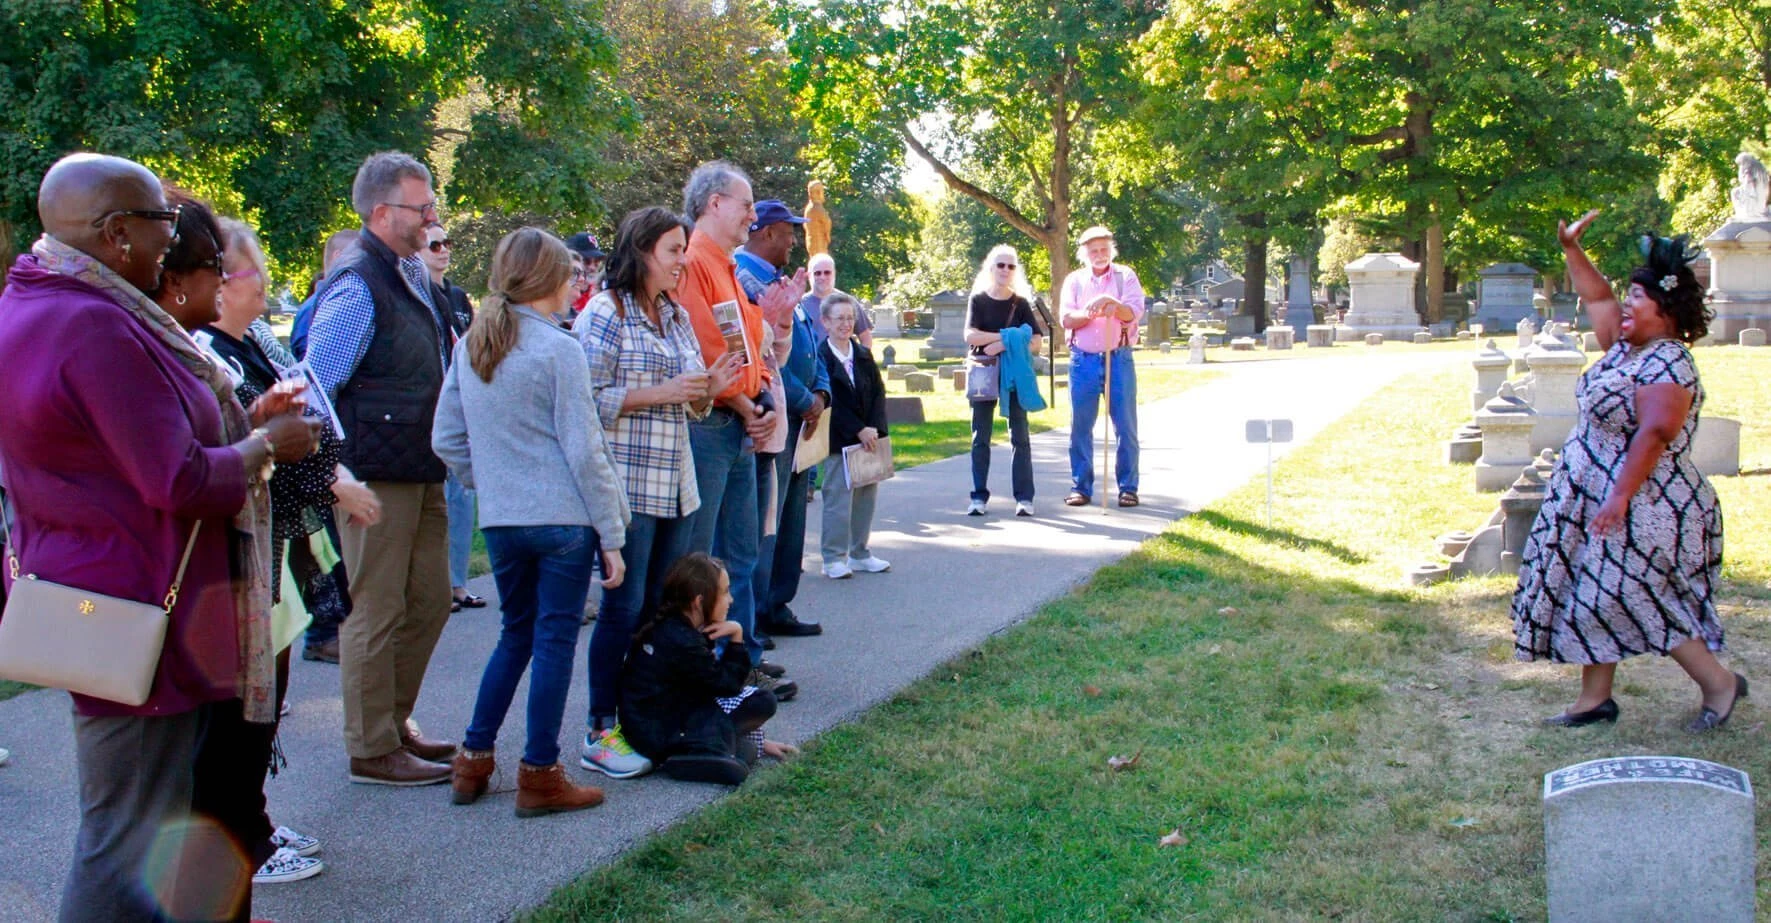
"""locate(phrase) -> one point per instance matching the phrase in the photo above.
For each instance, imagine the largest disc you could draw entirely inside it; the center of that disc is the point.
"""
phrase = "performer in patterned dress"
(1627, 550)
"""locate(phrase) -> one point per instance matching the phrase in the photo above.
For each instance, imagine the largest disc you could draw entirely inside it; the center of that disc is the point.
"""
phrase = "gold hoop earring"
(179, 300)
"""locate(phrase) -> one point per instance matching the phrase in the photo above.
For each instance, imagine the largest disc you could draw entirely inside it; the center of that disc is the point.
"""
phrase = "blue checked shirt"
(344, 325)
(650, 444)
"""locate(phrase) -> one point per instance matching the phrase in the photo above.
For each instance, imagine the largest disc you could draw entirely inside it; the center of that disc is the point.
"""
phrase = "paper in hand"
(318, 403)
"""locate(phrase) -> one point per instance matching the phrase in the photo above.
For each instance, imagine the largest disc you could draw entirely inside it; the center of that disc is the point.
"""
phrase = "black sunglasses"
(1005, 265)
(438, 246)
(168, 215)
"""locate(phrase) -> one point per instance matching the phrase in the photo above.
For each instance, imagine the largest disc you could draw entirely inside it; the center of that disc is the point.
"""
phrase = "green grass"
(1330, 743)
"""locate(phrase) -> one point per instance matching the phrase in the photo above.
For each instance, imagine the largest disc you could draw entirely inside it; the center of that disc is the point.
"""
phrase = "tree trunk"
(1254, 270)
(1435, 271)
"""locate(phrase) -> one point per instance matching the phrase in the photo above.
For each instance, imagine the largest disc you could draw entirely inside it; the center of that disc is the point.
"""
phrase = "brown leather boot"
(546, 790)
(472, 775)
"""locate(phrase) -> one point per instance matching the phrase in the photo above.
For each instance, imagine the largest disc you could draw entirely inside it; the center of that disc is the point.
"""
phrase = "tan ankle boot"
(472, 775)
(546, 790)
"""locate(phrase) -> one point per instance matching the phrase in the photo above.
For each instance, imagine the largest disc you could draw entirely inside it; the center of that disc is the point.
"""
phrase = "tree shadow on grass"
(1279, 536)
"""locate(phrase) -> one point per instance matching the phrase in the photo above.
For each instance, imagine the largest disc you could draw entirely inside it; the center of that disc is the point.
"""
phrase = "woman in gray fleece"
(516, 421)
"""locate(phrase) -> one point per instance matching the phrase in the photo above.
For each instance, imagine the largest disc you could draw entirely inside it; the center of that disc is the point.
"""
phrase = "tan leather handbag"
(64, 637)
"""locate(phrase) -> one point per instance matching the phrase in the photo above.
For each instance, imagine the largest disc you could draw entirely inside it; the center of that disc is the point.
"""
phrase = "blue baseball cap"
(773, 211)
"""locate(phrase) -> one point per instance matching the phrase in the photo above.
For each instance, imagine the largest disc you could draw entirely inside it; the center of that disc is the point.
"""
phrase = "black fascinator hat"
(1666, 277)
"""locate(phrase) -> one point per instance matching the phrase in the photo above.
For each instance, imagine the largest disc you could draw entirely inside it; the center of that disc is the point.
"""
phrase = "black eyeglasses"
(426, 208)
(438, 246)
(168, 215)
(214, 262)
(1005, 265)
(581, 273)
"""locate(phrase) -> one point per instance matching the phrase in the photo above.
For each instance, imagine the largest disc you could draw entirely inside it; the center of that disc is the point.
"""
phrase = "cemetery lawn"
(1325, 742)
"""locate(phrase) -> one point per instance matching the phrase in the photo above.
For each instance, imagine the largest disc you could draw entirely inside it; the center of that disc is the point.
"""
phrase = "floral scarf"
(256, 679)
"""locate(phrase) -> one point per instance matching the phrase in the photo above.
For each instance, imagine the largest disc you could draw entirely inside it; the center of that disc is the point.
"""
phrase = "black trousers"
(233, 758)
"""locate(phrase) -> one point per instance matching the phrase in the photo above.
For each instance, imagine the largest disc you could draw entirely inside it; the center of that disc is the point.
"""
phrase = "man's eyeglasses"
(581, 274)
(428, 208)
(438, 246)
(168, 215)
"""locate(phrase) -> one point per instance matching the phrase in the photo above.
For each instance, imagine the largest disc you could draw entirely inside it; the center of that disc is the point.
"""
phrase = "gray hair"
(1112, 251)
(821, 259)
(708, 180)
(379, 176)
(837, 299)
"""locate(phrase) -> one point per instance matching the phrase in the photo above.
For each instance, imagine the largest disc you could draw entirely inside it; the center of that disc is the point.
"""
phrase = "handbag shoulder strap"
(171, 598)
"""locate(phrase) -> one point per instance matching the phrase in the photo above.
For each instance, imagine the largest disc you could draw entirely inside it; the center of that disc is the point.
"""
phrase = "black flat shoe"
(1708, 720)
(1607, 711)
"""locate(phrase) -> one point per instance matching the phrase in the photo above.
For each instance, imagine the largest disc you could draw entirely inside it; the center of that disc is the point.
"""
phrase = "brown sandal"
(1128, 498)
(1076, 498)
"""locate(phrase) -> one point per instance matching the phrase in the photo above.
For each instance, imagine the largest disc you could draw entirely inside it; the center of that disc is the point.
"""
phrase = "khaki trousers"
(399, 577)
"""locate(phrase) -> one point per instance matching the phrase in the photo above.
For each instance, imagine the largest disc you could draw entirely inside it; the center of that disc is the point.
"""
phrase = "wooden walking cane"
(1107, 412)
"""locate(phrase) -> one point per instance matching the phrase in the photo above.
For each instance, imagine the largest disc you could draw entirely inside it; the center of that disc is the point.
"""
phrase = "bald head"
(80, 189)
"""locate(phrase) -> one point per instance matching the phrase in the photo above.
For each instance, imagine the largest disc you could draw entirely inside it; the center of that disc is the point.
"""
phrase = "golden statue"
(817, 220)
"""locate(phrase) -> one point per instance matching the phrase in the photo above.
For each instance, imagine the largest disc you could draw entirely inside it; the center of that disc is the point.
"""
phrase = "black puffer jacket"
(668, 687)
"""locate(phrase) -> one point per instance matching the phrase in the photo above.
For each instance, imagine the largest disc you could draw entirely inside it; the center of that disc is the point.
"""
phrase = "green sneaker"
(609, 754)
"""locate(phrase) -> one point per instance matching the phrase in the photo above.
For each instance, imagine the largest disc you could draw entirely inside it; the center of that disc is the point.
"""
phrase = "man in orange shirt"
(718, 199)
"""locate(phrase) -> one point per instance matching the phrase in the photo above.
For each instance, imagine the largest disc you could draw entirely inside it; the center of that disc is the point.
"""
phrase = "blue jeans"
(1020, 465)
(543, 575)
(726, 525)
(790, 537)
(1086, 371)
(461, 523)
(653, 544)
(771, 477)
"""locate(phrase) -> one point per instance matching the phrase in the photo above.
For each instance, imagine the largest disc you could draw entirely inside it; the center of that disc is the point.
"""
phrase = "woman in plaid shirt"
(649, 380)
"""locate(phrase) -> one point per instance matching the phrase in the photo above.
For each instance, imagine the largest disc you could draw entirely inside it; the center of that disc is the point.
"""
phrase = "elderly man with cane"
(1101, 304)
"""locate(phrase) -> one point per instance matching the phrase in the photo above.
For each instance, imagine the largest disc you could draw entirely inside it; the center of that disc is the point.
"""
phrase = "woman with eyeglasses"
(437, 253)
(1001, 301)
(648, 379)
(857, 417)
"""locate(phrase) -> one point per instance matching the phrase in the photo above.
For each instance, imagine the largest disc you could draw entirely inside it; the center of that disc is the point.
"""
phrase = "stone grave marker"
(1196, 349)
(1422, 337)
(1242, 344)
(902, 410)
(899, 372)
(959, 380)
(1319, 335)
(1280, 337)
(919, 382)
(1752, 336)
(1374, 339)
(946, 371)
(1649, 838)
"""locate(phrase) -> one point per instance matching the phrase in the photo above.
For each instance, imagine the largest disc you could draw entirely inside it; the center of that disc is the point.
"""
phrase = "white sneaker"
(609, 754)
(286, 865)
(5, 755)
(871, 564)
(975, 509)
(838, 571)
(303, 845)
(1024, 508)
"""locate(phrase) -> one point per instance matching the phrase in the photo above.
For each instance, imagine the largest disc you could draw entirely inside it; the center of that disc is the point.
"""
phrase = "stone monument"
(1503, 298)
(1300, 308)
(1491, 365)
(1382, 293)
(1661, 838)
(1196, 349)
(948, 341)
(1555, 370)
(1740, 258)
(1319, 335)
(1506, 423)
(1279, 337)
(885, 322)
(817, 220)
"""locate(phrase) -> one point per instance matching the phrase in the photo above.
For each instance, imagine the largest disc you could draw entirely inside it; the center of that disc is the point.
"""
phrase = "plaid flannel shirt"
(650, 444)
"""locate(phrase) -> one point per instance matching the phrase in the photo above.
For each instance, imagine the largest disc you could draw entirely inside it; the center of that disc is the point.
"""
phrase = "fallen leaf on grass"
(1122, 763)
(1229, 610)
(1462, 821)
(694, 847)
(1430, 686)
(1173, 838)
(1091, 690)
(1215, 649)
(878, 829)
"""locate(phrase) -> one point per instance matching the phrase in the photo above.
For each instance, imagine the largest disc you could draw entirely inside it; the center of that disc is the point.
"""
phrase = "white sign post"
(1269, 432)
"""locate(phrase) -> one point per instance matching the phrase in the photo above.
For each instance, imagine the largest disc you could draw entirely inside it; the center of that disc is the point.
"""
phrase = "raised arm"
(1601, 304)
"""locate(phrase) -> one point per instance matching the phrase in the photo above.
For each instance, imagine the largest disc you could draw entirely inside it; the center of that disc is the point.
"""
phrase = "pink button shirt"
(1083, 286)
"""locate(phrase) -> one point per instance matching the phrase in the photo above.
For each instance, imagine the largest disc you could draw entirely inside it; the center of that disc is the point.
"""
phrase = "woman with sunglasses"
(437, 254)
(1001, 300)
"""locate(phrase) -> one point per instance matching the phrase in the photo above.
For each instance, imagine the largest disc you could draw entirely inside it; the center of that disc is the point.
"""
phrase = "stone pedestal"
(885, 322)
(1382, 293)
(1374, 339)
(1300, 308)
(1660, 838)
(1319, 335)
(1280, 337)
(1156, 328)
(1503, 297)
(959, 379)
(1422, 338)
(1520, 505)
(948, 341)
(1527, 331)
(1715, 447)
(1242, 344)
(1196, 349)
(1506, 423)
(1752, 336)
(1555, 370)
(1740, 278)
(1164, 347)
(1491, 366)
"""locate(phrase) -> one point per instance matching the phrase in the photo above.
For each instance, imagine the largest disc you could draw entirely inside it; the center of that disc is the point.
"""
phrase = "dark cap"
(586, 246)
(773, 211)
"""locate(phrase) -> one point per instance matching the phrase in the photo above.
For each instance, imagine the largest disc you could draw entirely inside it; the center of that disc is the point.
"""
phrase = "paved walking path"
(408, 854)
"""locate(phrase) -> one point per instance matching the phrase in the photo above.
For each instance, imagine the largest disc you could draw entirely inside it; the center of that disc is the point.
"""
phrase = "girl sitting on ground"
(684, 704)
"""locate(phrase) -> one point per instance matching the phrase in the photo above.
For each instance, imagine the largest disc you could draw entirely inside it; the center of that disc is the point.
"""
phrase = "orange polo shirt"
(709, 281)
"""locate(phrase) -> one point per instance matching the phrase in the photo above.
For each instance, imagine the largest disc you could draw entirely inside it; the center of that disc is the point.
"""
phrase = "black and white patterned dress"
(1646, 586)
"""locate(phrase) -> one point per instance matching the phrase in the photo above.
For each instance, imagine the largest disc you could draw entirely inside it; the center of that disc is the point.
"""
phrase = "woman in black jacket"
(857, 417)
(684, 704)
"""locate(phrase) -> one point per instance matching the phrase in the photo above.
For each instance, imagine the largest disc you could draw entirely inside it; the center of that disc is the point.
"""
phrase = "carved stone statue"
(1750, 192)
(818, 219)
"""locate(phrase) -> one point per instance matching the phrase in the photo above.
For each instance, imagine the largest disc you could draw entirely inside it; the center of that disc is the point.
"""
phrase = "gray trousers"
(848, 515)
(135, 802)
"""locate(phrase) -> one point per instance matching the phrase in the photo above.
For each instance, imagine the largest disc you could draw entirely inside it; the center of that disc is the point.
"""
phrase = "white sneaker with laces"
(838, 571)
(1024, 508)
(302, 844)
(872, 564)
(286, 865)
(975, 509)
(608, 752)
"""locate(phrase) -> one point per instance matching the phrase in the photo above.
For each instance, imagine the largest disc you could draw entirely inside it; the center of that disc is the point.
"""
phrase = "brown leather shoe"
(324, 652)
(546, 790)
(423, 747)
(472, 775)
(398, 768)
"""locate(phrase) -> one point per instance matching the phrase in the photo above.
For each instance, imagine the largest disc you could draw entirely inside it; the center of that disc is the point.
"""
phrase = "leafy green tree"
(1018, 84)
